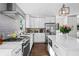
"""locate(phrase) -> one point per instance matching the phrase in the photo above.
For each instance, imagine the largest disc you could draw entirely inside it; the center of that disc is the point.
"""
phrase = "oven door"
(26, 48)
(50, 42)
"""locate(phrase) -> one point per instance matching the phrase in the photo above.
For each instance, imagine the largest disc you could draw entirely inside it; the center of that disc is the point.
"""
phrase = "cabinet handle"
(55, 46)
(56, 54)
(18, 51)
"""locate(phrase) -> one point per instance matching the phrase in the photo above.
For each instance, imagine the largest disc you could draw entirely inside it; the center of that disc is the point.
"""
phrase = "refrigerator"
(50, 29)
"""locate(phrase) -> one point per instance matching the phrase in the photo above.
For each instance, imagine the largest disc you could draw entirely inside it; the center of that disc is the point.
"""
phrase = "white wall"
(47, 9)
(7, 24)
(40, 9)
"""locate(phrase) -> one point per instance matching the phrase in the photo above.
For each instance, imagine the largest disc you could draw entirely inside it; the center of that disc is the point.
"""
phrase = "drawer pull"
(56, 54)
(18, 51)
(55, 46)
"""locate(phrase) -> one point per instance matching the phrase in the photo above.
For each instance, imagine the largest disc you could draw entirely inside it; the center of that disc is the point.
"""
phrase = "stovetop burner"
(12, 39)
(16, 39)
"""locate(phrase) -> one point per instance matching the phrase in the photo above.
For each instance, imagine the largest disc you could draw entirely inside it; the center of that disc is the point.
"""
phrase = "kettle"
(13, 35)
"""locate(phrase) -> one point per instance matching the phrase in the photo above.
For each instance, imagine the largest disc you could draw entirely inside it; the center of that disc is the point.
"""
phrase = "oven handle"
(25, 45)
(18, 51)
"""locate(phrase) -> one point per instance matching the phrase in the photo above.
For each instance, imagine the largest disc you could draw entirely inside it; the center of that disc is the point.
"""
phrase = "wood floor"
(39, 49)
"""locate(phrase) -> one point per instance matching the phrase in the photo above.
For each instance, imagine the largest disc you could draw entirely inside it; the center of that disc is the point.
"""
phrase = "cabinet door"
(59, 51)
(36, 39)
(32, 22)
(42, 37)
(31, 40)
(27, 21)
(50, 20)
(36, 21)
(50, 50)
(39, 37)
(41, 22)
(17, 51)
(2, 6)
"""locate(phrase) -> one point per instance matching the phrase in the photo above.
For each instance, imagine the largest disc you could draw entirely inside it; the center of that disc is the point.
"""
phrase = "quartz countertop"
(69, 43)
(9, 45)
(8, 48)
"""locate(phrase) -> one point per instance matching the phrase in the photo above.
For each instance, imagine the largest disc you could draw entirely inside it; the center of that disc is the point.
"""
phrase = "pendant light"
(64, 10)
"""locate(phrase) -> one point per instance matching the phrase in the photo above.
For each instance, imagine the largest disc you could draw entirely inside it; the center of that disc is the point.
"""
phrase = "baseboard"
(40, 43)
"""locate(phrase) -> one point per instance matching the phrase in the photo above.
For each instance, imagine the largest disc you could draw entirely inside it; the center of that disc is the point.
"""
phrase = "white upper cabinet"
(27, 21)
(32, 22)
(37, 22)
(2, 6)
(50, 20)
(40, 22)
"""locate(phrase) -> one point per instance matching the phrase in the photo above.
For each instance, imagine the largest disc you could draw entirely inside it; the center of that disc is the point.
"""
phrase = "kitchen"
(23, 26)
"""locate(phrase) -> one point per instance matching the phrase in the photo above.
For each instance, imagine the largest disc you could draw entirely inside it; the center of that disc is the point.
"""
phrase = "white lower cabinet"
(17, 51)
(50, 50)
(5, 52)
(58, 50)
(39, 37)
(11, 52)
(31, 40)
(67, 48)
(72, 52)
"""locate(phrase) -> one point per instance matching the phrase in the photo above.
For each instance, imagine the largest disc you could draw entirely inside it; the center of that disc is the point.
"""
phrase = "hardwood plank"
(39, 49)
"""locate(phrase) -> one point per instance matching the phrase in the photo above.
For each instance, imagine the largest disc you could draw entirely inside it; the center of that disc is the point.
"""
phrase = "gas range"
(24, 41)
(16, 39)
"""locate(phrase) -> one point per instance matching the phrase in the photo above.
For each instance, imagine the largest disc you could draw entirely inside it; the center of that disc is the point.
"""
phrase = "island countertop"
(68, 44)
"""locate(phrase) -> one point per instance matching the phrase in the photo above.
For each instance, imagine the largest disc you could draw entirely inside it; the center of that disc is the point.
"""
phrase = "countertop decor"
(65, 29)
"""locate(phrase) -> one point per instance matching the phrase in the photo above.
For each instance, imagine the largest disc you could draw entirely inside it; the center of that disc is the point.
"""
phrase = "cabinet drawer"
(17, 51)
(58, 50)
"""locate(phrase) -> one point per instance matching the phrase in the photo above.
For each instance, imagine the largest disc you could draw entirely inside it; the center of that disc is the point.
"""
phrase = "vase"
(65, 35)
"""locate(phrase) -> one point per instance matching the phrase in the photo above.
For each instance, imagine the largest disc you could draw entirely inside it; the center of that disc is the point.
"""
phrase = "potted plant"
(65, 29)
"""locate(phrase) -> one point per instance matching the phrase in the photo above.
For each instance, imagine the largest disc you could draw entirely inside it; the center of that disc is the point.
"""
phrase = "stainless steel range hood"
(11, 14)
(12, 10)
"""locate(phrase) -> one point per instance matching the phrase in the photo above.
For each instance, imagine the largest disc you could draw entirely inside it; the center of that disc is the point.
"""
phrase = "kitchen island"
(64, 46)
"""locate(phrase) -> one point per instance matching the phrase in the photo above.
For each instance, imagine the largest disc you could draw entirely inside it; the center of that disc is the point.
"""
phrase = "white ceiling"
(46, 9)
